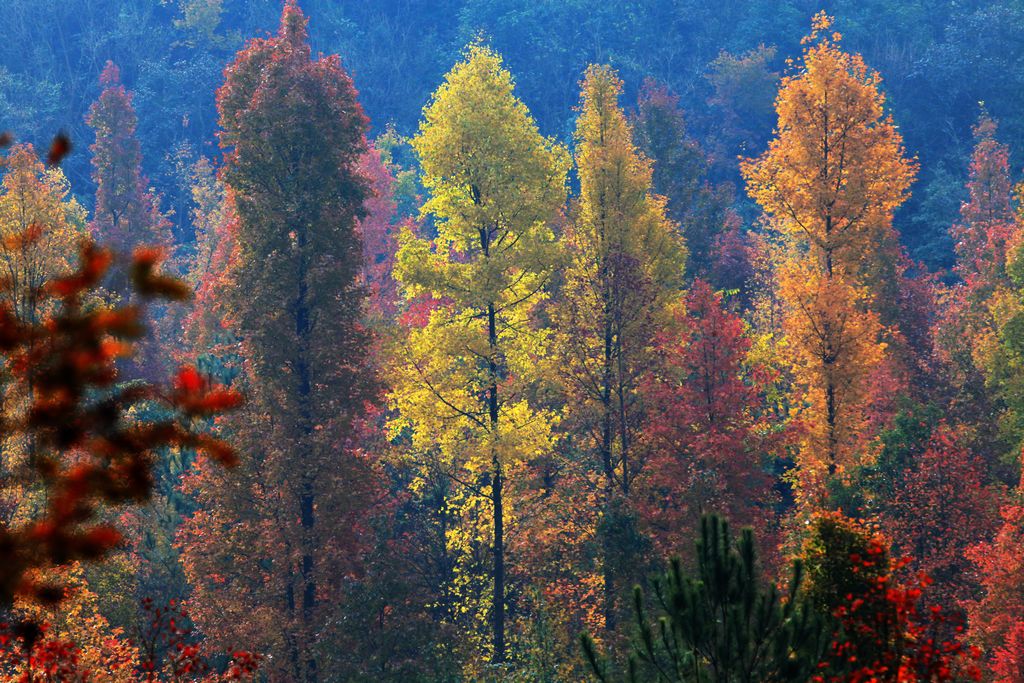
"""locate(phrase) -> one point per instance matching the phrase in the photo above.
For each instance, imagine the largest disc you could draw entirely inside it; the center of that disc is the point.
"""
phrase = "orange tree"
(829, 183)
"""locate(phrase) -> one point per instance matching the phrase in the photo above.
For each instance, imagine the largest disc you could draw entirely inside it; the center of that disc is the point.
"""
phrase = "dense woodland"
(492, 340)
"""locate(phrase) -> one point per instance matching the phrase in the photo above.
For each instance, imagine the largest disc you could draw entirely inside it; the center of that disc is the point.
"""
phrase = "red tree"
(270, 552)
(93, 450)
(731, 265)
(941, 507)
(1008, 660)
(967, 328)
(379, 231)
(127, 212)
(709, 438)
(997, 617)
(987, 217)
(884, 631)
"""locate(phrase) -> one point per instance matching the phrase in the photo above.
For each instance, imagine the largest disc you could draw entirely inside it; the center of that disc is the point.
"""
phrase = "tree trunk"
(609, 470)
(307, 503)
(497, 483)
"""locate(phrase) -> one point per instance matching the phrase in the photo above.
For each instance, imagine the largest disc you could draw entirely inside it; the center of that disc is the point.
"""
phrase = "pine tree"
(725, 623)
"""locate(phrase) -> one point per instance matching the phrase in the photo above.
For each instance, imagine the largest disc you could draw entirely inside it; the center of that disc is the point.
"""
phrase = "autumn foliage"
(495, 379)
(829, 183)
(883, 629)
(83, 450)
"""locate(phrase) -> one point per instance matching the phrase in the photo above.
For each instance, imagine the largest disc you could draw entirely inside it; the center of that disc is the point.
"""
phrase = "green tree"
(725, 624)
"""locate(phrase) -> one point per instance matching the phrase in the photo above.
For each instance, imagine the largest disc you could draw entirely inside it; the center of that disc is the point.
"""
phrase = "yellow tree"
(34, 203)
(102, 653)
(829, 183)
(465, 384)
(626, 262)
(35, 200)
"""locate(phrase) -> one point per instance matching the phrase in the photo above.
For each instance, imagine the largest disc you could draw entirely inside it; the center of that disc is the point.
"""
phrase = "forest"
(512, 341)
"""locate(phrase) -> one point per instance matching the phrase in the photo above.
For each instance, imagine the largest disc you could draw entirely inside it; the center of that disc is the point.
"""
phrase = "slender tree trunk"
(830, 386)
(609, 469)
(497, 483)
(308, 577)
(610, 621)
(833, 441)
(616, 356)
(441, 505)
(294, 652)
(499, 565)
(307, 503)
(623, 422)
(497, 478)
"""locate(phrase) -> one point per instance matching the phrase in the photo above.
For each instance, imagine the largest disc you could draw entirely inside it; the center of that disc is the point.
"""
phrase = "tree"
(464, 389)
(679, 173)
(978, 329)
(995, 616)
(724, 624)
(708, 428)
(206, 329)
(155, 561)
(743, 88)
(829, 182)
(96, 650)
(290, 526)
(41, 226)
(35, 202)
(980, 306)
(626, 264)
(91, 451)
(987, 221)
(1008, 659)
(882, 631)
(379, 235)
(941, 506)
(127, 213)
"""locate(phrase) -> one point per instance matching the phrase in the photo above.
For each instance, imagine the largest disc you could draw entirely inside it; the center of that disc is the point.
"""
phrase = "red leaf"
(59, 148)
